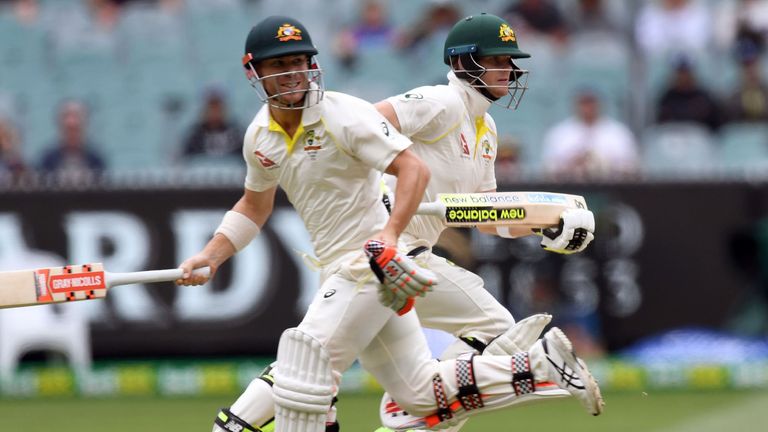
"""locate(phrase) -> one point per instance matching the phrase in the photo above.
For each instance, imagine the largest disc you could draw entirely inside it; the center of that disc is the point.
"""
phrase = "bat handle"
(431, 208)
(151, 276)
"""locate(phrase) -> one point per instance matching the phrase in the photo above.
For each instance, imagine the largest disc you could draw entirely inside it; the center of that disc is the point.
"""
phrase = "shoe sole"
(590, 383)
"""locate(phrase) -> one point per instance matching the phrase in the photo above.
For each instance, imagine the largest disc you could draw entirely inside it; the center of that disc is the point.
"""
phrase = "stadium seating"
(743, 146)
(678, 150)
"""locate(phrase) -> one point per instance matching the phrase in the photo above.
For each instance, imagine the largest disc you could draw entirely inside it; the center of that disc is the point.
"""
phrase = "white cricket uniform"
(455, 136)
(330, 172)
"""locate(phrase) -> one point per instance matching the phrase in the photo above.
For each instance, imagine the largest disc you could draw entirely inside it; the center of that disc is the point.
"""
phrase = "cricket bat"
(72, 283)
(524, 209)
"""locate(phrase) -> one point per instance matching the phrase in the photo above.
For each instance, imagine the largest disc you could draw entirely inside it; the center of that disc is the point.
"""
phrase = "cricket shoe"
(553, 357)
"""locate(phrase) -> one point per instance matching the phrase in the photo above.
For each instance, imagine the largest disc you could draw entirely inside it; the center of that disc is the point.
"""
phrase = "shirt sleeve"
(258, 178)
(372, 138)
(427, 113)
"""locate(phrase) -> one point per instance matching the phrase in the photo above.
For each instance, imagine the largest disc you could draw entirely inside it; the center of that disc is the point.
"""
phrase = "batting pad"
(520, 337)
(304, 388)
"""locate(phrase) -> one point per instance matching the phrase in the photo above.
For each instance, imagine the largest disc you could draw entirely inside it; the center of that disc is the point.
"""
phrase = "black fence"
(666, 256)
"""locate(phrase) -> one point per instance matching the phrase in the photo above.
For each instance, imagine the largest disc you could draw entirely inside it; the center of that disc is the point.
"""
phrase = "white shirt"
(455, 136)
(330, 171)
(607, 147)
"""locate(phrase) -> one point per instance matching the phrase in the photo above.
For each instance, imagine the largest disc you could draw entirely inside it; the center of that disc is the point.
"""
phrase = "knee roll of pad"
(304, 385)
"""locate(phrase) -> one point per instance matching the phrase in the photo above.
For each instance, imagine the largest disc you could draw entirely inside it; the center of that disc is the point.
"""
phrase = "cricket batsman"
(453, 133)
(327, 151)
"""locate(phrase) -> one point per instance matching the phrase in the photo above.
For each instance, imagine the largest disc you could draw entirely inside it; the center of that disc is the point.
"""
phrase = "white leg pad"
(304, 385)
(520, 337)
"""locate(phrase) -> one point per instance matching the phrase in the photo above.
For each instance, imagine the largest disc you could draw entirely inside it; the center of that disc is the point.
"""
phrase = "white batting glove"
(575, 232)
(401, 278)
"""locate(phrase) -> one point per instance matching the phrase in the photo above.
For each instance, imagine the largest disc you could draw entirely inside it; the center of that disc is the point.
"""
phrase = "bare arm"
(388, 111)
(257, 206)
(412, 178)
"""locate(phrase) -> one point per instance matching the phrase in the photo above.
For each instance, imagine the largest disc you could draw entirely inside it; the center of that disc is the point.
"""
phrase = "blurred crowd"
(617, 90)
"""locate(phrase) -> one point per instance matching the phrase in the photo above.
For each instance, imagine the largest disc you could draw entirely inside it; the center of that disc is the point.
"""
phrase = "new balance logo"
(233, 427)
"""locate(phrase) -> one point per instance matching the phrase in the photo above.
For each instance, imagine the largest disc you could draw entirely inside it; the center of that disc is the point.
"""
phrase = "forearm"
(409, 191)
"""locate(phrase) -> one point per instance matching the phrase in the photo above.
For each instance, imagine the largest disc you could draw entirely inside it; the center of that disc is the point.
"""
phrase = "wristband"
(238, 228)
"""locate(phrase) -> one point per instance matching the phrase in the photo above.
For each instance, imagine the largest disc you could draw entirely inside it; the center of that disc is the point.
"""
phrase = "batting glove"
(401, 278)
(573, 234)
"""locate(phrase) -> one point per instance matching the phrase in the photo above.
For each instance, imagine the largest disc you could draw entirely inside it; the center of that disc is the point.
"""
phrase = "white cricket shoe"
(553, 355)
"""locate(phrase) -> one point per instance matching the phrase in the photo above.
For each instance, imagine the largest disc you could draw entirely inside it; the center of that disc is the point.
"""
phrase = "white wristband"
(238, 229)
(503, 231)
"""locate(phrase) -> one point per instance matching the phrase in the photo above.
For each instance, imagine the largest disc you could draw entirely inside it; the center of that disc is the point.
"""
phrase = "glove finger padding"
(573, 234)
(400, 276)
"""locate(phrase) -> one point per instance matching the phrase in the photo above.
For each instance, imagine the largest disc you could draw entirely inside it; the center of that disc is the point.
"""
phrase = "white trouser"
(460, 304)
(347, 318)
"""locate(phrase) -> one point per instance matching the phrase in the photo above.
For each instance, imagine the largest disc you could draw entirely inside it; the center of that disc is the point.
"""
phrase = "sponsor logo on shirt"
(265, 161)
(464, 145)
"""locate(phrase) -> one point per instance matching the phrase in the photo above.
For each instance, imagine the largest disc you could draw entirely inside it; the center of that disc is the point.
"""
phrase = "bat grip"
(152, 276)
(431, 208)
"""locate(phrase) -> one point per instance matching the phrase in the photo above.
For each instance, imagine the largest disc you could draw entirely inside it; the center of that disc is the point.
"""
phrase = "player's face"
(290, 77)
(496, 76)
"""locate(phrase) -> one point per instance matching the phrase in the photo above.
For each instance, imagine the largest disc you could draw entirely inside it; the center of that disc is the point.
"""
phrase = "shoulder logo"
(414, 96)
(288, 32)
(385, 128)
(265, 161)
(506, 34)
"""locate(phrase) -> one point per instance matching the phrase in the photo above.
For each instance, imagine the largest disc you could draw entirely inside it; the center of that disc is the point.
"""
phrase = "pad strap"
(232, 423)
(469, 394)
(522, 377)
(443, 410)
(474, 343)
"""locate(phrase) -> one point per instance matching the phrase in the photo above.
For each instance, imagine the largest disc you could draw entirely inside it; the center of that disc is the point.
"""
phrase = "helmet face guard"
(466, 67)
(313, 92)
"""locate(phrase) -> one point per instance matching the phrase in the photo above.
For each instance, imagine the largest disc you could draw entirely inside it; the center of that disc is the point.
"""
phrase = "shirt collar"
(476, 103)
(309, 116)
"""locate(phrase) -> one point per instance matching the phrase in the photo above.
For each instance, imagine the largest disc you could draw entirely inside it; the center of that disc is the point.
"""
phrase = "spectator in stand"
(11, 165)
(434, 25)
(685, 100)
(749, 102)
(673, 26)
(743, 22)
(372, 31)
(590, 145)
(214, 134)
(537, 16)
(26, 12)
(72, 156)
(589, 16)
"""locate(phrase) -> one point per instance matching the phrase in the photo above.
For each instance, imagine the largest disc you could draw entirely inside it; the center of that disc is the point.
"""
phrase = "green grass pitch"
(625, 412)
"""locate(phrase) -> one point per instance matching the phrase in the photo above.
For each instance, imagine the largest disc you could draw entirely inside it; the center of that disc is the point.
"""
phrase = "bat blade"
(525, 209)
(52, 285)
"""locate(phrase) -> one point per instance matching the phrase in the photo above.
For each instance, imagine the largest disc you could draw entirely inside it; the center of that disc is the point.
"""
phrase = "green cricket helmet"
(280, 36)
(486, 35)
